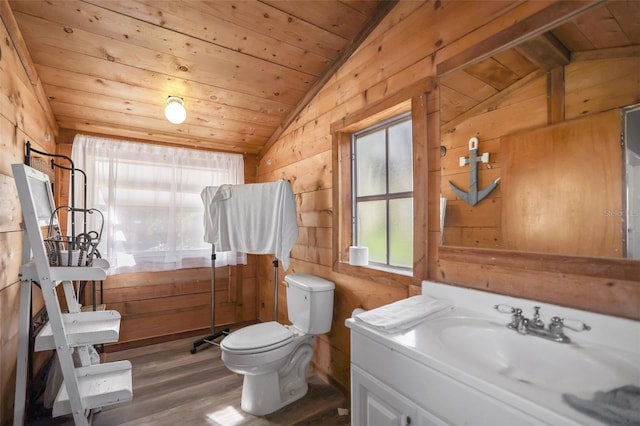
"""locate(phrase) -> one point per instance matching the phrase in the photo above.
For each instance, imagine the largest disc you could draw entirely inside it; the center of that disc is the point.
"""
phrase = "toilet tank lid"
(309, 282)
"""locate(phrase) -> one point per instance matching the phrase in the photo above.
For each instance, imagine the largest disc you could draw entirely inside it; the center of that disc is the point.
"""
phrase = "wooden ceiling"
(244, 68)
(609, 30)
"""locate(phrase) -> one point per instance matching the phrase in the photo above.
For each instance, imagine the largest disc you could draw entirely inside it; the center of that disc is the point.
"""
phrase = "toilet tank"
(309, 302)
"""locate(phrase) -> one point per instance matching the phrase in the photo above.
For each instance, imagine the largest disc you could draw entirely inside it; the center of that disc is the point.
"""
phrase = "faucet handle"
(558, 324)
(575, 325)
(516, 314)
(504, 309)
(536, 321)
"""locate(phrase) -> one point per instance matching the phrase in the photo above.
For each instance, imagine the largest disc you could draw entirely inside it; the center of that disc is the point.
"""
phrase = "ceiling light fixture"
(174, 111)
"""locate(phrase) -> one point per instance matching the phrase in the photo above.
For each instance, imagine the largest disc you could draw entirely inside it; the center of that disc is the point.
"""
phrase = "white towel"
(211, 215)
(256, 218)
(403, 314)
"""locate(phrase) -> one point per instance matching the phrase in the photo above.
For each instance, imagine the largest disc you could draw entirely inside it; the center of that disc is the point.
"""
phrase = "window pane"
(401, 232)
(400, 158)
(371, 164)
(372, 229)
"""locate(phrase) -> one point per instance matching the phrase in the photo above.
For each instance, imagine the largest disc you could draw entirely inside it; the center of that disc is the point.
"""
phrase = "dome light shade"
(174, 111)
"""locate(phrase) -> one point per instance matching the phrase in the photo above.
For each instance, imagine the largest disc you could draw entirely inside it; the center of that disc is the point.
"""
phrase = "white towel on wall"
(403, 314)
(256, 218)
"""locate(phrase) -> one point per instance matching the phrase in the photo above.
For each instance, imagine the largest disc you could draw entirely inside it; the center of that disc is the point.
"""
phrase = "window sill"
(379, 274)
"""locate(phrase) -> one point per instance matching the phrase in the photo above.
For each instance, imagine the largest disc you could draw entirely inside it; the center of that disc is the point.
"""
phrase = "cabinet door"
(375, 404)
(425, 418)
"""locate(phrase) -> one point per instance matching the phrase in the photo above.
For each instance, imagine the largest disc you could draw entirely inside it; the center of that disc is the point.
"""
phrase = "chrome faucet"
(535, 326)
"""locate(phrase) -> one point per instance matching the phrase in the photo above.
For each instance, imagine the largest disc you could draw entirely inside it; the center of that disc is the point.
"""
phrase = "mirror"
(548, 173)
(632, 177)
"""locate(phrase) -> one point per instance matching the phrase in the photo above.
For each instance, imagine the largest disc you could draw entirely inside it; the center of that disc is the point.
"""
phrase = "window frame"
(414, 99)
(387, 196)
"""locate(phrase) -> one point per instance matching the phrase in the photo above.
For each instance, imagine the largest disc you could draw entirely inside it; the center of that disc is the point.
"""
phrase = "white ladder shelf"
(85, 386)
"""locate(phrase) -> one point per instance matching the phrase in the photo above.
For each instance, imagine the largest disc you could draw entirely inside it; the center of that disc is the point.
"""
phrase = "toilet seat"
(258, 338)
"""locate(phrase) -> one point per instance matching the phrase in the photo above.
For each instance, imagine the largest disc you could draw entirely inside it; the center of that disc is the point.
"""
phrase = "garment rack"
(285, 210)
(211, 338)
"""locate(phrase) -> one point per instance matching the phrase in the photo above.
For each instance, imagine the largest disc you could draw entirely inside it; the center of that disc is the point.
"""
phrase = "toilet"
(273, 357)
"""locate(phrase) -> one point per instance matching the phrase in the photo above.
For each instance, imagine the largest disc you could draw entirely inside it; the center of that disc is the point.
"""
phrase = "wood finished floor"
(173, 387)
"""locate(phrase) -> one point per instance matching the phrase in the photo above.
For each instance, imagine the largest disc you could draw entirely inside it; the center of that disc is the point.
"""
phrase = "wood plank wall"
(161, 306)
(403, 50)
(22, 118)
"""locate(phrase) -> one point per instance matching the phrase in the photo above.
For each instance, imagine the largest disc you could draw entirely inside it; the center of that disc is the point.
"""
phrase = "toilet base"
(265, 393)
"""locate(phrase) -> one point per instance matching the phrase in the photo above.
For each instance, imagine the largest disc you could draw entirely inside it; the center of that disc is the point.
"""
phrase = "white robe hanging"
(256, 218)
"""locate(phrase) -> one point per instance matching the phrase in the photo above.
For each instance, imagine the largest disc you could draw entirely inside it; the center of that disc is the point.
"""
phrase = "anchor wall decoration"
(474, 196)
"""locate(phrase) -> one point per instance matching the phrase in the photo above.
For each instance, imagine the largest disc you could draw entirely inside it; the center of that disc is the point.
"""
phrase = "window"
(405, 235)
(150, 198)
(382, 176)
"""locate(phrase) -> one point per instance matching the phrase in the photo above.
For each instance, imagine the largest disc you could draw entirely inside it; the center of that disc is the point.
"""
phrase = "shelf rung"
(77, 273)
(100, 385)
(83, 328)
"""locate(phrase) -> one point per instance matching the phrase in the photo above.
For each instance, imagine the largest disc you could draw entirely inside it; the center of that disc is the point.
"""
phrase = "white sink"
(489, 347)
(467, 358)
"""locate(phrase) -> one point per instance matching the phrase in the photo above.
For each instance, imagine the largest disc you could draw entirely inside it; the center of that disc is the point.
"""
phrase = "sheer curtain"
(150, 198)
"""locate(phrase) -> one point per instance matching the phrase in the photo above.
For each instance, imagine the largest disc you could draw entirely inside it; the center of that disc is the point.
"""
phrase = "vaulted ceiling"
(246, 68)
(243, 68)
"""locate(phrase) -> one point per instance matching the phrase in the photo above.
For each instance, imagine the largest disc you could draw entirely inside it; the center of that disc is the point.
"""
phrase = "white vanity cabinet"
(390, 388)
(374, 403)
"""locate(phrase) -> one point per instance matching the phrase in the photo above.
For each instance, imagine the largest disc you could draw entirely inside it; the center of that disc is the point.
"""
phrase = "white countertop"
(422, 344)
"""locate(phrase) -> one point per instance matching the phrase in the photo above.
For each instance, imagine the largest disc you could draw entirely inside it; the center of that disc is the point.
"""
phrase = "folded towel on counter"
(618, 407)
(403, 314)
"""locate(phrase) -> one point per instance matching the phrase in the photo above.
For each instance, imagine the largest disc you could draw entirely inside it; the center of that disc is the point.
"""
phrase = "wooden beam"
(546, 51)
(555, 95)
(384, 8)
(522, 30)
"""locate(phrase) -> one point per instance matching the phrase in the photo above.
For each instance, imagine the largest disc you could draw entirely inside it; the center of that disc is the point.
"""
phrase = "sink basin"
(491, 348)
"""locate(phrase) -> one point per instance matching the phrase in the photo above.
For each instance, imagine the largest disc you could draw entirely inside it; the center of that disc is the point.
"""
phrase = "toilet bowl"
(273, 357)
